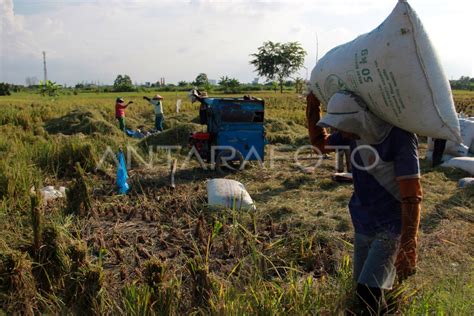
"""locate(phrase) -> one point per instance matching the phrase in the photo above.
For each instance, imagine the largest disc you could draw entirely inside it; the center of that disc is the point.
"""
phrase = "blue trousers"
(159, 122)
(374, 259)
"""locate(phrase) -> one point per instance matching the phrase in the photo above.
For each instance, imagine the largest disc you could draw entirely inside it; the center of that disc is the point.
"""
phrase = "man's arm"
(317, 135)
(411, 194)
(146, 98)
(407, 171)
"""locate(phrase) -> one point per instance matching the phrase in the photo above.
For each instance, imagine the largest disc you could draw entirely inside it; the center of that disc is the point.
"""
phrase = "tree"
(4, 88)
(299, 85)
(201, 80)
(277, 61)
(230, 85)
(49, 88)
(123, 84)
(463, 83)
(182, 83)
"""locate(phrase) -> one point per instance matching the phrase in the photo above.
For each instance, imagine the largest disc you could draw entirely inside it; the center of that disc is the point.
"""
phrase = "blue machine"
(236, 123)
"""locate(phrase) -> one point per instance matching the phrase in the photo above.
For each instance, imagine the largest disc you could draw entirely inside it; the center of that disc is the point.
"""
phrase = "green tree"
(123, 84)
(275, 86)
(182, 83)
(4, 88)
(299, 85)
(230, 85)
(49, 88)
(201, 80)
(278, 61)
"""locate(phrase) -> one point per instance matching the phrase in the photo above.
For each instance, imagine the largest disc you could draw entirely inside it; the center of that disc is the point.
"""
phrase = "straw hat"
(157, 97)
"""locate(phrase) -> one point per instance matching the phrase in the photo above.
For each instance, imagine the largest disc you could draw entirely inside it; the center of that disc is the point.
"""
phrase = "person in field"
(120, 107)
(386, 202)
(438, 150)
(156, 101)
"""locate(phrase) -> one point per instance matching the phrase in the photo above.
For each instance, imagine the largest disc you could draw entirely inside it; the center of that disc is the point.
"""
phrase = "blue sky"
(95, 40)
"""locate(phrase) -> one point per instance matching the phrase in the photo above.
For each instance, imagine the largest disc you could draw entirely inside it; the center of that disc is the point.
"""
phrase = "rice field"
(159, 250)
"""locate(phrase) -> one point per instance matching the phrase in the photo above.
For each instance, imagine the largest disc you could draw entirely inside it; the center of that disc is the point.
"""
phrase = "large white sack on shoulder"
(228, 194)
(396, 71)
(464, 163)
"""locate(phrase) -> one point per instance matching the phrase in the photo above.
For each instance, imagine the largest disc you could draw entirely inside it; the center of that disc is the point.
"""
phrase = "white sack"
(465, 182)
(228, 194)
(50, 193)
(455, 148)
(464, 163)
(396, 71)
(429, 156)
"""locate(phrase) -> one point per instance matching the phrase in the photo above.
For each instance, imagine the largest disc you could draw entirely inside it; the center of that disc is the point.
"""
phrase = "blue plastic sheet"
(122, 175)
(134, 134)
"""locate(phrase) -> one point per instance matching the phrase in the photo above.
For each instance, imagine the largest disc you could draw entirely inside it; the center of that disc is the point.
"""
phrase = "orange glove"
(411, 194)
(317, 135)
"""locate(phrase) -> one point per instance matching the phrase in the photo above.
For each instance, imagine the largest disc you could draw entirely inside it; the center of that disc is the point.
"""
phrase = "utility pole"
(44, 67)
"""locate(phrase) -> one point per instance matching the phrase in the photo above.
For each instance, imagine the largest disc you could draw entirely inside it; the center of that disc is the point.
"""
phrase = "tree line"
(463, 83)
(276, 62)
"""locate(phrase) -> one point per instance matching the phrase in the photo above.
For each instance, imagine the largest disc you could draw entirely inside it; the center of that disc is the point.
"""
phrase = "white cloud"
(16, 39)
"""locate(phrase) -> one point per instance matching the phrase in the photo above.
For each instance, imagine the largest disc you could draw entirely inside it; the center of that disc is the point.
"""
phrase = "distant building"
(213, 82)
(255, 80)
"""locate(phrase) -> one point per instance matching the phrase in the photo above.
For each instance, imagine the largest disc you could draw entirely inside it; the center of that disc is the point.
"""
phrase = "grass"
(162, 251)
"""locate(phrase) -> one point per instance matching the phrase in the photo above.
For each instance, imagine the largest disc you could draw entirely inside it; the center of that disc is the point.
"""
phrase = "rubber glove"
(411, 195)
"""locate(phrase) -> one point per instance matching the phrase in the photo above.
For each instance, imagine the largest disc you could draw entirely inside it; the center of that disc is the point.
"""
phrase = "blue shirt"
(375, 205)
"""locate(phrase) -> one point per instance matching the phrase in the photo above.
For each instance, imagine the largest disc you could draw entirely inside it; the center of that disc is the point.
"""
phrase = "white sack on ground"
(396, 71)
(50, 193)
(464, 163)
(466, 182)
(445, 157)
(456, 149)
(228, 194)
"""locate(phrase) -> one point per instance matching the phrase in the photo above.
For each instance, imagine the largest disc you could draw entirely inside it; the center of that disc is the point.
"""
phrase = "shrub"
(4, 88)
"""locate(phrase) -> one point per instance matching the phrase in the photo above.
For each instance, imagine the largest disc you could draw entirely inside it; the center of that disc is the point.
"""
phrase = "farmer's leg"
(121, 123)
(438, 150)
(361, 251)
(378, 272)
(159, 122)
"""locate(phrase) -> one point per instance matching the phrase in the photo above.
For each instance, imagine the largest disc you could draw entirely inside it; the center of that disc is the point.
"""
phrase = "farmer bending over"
(120, 107)
(159, 118)
(385, 204)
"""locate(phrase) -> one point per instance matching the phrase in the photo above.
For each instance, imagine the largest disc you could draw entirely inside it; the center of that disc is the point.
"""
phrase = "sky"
(95, 40)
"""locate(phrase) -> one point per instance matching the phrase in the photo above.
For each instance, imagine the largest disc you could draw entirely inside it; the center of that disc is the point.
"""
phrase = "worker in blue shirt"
(386, 202)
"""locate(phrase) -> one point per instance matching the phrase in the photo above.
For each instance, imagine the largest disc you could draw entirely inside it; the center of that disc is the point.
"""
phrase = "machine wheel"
(225, 165)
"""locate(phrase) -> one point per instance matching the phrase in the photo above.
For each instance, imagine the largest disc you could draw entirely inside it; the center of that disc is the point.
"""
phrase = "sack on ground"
(396, 71)
(466, 148)
(229, 194)
(445, 157)
(464, 163)
(466, 182)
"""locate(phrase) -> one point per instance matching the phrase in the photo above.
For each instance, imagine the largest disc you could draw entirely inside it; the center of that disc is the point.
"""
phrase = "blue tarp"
(122, 175)
(134, 134)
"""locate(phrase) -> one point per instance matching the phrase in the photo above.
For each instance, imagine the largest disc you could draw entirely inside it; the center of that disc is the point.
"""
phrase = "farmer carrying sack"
(396, 71)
